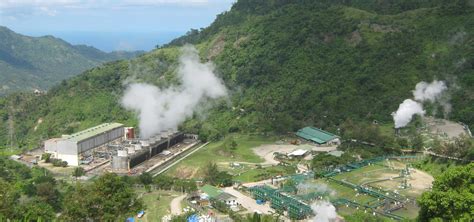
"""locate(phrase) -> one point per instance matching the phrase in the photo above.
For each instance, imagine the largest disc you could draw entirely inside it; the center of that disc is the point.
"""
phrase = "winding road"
(175, 205)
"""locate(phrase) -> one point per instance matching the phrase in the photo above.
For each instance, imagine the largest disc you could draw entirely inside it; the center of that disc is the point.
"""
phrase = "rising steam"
(160, 109)
(405, 112)
(429, 91)
(423, 92)
(324, 211)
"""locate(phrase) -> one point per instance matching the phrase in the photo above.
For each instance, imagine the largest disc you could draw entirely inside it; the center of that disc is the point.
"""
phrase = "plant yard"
(216, 152)
(157, 204)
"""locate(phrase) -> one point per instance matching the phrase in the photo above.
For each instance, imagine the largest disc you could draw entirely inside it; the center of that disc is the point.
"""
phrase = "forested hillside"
(287, 64)
(28, 63)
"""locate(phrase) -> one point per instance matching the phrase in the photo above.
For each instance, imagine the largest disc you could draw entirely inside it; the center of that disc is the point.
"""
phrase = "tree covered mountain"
(287, 64)
(28, 63)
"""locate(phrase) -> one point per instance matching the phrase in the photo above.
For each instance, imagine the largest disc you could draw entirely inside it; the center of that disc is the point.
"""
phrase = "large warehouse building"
(318, 136)
(70, 147)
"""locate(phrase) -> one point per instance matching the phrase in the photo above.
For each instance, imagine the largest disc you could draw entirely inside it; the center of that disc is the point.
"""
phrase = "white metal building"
(69, 147)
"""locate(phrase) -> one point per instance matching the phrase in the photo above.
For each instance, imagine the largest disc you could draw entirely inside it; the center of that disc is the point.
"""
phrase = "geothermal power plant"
(131, 153)
(114, 147)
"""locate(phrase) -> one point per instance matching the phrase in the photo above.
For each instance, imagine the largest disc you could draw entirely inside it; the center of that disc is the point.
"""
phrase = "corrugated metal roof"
(316, 135)
(225, 196)
(87, 133)
(298, 152)
(211, 191)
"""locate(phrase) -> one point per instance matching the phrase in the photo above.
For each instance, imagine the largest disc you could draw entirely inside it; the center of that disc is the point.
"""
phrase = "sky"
(110, 24)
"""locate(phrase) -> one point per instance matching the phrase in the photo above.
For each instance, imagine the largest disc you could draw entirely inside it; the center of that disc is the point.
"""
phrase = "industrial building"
(318, 136)
(211, 192)
(72, 148)
(134, 152)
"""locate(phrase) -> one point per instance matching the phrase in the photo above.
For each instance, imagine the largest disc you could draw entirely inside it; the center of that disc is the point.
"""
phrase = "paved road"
(247, 202)
(175, 205)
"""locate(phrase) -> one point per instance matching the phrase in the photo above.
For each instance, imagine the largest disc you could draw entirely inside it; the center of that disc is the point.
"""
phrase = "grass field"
(157, 204)
(366, 174)
(214, 152)
(258, 174)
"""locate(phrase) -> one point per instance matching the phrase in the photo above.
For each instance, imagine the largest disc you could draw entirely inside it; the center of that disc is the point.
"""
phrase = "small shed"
(298, 153)
(336, 153)
(227, 198)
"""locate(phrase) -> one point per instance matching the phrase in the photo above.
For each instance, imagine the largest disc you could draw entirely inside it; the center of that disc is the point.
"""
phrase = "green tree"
(452, 196)
(210, 173)
(37, 210)
(47, 193)
(417, 142)
(145, 178)
(9, 198)
(78, 172)
(46, 157)
(109, 198)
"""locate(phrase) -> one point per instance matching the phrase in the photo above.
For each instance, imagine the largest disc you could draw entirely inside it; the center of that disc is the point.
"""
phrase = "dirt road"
(175, 205)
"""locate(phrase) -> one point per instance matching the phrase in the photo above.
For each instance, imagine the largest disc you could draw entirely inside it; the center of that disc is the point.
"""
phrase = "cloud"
(48, 11)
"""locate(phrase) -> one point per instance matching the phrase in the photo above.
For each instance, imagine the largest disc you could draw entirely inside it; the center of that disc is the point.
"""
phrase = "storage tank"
(122, 153)
(145, 143)
(138, 147)
(164, 134)
(119, 162)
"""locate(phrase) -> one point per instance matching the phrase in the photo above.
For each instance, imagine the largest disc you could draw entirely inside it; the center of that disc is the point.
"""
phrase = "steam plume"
(423, 92)
(161, 109)
(405, 112)
(324, 211)
(429, 91)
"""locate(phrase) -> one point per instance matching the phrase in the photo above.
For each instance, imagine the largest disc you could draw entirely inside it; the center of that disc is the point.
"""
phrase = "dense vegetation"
(287, 64)
(29, 63)
(33, 194)
(452, 196)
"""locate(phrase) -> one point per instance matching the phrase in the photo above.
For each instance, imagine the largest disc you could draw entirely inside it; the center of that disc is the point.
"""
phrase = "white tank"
(138, 147)
(122, 153)
(164, 134)
(145, 142)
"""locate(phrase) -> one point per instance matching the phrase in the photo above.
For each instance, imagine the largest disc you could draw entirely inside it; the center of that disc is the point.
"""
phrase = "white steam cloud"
(405, 112)
(324, 211)
(429, 91)
(161, 109)
(423, 92)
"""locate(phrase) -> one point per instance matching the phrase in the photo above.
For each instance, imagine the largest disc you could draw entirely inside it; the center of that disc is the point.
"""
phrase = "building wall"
(100, 139)
(67, 147)
(51, 146)
(71, 159)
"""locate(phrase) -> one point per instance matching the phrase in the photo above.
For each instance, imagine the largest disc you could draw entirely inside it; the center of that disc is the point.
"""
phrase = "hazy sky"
(110, 24)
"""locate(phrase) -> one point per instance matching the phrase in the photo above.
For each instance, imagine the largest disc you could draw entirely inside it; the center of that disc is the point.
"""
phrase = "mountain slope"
(38, 63)
(288, 64)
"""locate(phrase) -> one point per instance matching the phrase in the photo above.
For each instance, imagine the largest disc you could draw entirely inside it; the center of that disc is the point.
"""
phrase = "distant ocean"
(112, 41)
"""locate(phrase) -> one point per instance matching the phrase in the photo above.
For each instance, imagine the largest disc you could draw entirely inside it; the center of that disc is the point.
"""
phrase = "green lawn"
(365, 174)
(214, 152)
(157, 204)
(253, 175)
